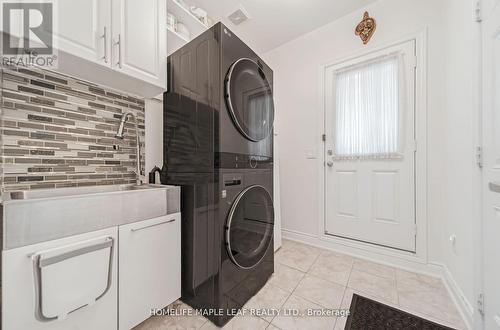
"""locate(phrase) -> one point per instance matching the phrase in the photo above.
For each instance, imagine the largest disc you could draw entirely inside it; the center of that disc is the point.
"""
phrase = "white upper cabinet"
(139, 39)
(84, 29)
(117, 43)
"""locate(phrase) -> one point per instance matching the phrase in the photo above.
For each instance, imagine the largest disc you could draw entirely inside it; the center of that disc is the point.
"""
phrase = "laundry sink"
(49, 193)
(41, 215)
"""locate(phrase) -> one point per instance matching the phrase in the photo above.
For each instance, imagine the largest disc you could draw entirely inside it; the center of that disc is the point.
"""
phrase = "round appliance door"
(250, 225)
(249, 99)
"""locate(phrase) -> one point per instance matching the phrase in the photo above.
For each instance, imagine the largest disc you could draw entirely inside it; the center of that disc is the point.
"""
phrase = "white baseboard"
(432, 268)
(463, 304)
(367, 251)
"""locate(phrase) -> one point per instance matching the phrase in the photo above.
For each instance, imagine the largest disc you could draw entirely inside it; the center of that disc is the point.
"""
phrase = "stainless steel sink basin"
(41, 215)
(48, 193)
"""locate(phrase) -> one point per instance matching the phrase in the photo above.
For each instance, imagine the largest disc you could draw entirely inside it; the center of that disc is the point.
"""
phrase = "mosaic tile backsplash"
(58, 131)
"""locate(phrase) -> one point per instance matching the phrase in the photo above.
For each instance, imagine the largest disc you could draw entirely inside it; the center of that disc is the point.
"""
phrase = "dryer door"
(250, 226)
(249, 98)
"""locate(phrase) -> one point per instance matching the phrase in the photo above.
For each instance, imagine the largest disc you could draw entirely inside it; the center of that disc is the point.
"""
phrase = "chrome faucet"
(119, 134)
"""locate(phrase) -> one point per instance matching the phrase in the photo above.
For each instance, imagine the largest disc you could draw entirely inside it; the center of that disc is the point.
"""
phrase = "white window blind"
(368, 110)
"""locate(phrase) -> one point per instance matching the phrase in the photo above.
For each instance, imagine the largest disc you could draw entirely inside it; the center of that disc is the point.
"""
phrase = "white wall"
(461, 177)
(451, 119)
(154, 134)
(296, 67)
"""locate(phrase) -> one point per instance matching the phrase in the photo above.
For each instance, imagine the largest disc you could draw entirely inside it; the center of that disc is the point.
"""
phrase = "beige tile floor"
(309, 277)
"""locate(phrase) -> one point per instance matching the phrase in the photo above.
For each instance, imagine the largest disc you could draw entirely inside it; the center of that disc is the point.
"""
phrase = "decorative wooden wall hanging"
(366, 28)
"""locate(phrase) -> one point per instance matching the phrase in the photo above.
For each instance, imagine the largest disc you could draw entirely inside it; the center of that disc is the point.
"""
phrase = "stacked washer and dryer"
(218, 146)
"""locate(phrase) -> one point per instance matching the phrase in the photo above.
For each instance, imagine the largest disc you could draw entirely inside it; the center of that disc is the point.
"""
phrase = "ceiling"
(275, 22)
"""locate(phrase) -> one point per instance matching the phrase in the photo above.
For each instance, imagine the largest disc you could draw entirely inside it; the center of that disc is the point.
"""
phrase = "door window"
(367, 109)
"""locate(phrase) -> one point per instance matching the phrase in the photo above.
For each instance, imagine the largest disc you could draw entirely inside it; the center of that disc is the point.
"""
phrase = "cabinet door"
(139, 39)
(84, 29)
(35, 292)
(150, 268)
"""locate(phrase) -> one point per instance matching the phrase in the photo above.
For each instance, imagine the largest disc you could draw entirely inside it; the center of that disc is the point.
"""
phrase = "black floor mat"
(367, 314)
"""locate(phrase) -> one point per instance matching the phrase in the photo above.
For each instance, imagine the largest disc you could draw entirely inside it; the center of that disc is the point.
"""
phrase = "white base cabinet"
(150, 268)
(103, 280)
(68, 283)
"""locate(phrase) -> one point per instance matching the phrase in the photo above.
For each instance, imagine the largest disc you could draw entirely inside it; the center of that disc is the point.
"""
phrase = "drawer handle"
(153, 225)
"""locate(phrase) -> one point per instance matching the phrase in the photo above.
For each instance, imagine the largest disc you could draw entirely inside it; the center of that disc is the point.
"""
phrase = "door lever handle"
(495, 187)
(329, 163)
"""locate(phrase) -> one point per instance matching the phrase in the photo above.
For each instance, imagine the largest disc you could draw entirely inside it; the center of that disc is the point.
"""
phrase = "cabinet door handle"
(153, 225)
(75, 253)
(119, 44)
(105, 38)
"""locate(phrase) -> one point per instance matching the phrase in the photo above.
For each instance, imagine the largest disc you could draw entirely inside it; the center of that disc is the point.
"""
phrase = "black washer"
(250, 227)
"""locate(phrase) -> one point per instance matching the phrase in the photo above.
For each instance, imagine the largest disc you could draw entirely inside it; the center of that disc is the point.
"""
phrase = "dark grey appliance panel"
(200, 234)
(190, 109)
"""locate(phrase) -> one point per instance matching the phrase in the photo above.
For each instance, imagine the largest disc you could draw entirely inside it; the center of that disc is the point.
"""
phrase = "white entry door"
(491, 168)
(370, 148)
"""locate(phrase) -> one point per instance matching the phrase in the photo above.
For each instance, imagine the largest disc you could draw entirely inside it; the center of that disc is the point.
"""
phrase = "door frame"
(420, 121)
(478, 318)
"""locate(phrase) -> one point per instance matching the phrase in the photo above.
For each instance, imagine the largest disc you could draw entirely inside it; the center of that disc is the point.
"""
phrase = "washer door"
(249, 98)
(250, 225)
